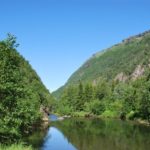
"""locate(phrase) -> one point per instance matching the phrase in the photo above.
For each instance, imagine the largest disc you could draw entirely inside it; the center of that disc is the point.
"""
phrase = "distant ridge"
(124, 61)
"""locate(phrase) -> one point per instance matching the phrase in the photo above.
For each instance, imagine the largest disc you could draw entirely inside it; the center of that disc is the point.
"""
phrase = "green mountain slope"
(123, 61)
(21, 93)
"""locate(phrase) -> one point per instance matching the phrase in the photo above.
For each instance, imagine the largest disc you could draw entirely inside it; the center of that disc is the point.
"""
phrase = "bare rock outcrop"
(138, 72)
(121, 77)
(44, 113)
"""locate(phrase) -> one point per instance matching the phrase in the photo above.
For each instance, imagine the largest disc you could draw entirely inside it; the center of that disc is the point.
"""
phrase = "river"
(95, 134)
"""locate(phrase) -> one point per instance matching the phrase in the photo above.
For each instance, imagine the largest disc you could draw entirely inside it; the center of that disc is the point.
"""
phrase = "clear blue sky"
(57, 36)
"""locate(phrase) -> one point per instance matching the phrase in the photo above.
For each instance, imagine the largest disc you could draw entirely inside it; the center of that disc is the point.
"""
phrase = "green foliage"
(131, 115)
(145, 100)
(15, 147)
(100, 92)
(115, 106)
(109, 114)
(21, 93)
(88, 93)
(120, 58)
(11, 41)
(96, 107)
(80, 114)
(108, 100)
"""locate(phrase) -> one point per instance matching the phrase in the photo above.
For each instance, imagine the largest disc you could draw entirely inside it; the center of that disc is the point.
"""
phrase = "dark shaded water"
(96, 134)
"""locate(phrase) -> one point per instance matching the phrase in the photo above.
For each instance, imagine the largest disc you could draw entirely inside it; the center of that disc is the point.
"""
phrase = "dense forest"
(113, 83)
(22, 93)
(120, 61)
(108, 99)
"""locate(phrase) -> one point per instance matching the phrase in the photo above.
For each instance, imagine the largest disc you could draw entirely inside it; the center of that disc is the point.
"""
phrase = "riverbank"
(83, 114)
(91, 133)
(18, 146)
(143, 122)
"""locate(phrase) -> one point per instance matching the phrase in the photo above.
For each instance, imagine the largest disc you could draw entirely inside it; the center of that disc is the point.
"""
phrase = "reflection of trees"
(36, 139)
(96, 134)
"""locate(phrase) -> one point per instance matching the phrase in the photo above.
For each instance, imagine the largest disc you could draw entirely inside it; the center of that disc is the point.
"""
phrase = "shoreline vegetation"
(18, 146)
(114, 83)
(125, 101)
(22, 94)
(21, 146)
(92, 116)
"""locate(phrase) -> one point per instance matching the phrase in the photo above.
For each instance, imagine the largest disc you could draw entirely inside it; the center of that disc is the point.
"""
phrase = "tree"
(96, 107)
(102, 90)
(145, 101)
(88, 93)
(80, 97)
(20, 93)
(11, 41)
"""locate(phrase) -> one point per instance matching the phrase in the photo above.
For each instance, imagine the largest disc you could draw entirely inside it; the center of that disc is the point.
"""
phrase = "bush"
(15, 147)
(96, 107)
(79, 114)
(131, 115)
(64, 110)
(109, 114)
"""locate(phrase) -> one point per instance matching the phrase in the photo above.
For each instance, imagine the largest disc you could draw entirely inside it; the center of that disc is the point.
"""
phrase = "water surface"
(53, 117)
(55, 140)
(96, 134)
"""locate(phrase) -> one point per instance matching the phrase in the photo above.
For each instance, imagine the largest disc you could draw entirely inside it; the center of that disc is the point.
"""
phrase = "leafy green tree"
(10, 41)
(129, 103)
(145, 101)
(88, 93)
(80, 97)
(21, 93)
(96, 107)
(102, 90)
(69, 97)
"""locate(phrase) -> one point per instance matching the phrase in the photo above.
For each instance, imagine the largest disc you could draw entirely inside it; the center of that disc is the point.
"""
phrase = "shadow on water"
(96, 134)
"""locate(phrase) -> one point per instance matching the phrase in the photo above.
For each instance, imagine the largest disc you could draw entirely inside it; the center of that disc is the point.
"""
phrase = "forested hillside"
(113, 83)
(21, 93)
(122, 61)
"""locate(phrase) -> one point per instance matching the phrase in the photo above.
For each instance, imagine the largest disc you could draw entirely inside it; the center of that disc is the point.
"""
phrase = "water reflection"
(55, 140)
(95, 134)
(53, 117)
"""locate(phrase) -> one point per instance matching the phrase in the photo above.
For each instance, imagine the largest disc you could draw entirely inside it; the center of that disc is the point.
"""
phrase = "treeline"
(108, 99)
(21, 94)
(120, 58)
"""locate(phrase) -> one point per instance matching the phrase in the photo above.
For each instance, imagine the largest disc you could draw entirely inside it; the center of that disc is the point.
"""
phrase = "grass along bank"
(19, 146)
